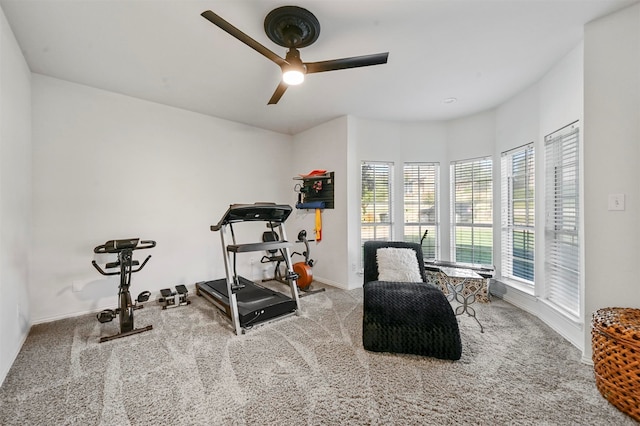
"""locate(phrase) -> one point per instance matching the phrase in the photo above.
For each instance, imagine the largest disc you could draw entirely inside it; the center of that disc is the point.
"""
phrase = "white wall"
(323, 147)
(611, 157)
(517, 124)
(15, 197)
(587, 86)
(548, 105)
(398, 142)
(180, 170)
(108, 166)
(562, 92)
(467, 138)
(471, 137)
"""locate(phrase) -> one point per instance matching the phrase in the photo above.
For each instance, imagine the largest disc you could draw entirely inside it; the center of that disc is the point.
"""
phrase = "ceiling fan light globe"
(293, 77)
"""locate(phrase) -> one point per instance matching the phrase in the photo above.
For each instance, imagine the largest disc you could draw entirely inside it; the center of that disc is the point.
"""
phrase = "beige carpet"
(192, 370)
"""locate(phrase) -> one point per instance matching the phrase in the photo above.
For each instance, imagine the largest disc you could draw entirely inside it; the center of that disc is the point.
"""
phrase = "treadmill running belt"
(255, 303)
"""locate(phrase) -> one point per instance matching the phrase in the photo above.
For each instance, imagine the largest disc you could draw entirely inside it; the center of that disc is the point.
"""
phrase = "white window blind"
(562, 239)
(376, 218)
(472, 211)
(518, 214)
(421, 206)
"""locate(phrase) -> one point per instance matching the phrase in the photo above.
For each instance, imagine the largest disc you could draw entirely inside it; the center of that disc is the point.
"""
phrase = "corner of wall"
(16, 190)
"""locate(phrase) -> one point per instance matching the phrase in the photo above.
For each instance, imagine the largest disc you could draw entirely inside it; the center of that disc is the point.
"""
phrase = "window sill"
(570, 316)
(518, 285)
(528, 292)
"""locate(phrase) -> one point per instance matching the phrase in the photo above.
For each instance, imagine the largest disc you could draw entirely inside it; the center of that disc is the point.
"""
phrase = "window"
(518, 236)
(472, 211)
(375, 211)
(562, 240)
(421, 206)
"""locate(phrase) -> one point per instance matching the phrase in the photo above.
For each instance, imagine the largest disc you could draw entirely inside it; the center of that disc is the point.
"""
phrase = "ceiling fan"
(293, 27)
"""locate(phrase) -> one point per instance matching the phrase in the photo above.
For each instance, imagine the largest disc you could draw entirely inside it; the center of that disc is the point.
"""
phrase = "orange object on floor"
(305, 275)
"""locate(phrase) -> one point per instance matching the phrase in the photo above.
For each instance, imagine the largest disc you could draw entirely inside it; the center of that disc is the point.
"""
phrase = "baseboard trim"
(586, 360)
(190, 287)
(331, 283)
(567, 328)
(7, 366)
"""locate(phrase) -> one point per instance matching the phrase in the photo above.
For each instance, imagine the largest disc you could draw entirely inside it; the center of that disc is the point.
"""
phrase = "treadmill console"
(264, 212)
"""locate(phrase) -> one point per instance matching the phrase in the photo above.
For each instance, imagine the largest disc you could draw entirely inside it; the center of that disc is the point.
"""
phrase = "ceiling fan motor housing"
(292, 27)
(293, 58)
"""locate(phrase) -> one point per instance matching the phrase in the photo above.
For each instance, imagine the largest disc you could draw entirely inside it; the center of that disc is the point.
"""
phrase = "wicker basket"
(615, 338)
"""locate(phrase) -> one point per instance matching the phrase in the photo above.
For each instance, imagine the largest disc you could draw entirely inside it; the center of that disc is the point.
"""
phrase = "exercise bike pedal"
(106, 316)
(144, 296)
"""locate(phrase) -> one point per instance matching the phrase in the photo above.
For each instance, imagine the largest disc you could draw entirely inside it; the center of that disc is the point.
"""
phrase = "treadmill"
(245, 302)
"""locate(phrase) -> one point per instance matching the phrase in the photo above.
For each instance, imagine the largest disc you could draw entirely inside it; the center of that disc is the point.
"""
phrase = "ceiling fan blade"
(235, 32)
(340, 64)
(278, 93)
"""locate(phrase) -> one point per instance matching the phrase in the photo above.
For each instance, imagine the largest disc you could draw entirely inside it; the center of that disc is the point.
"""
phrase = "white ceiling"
(479, 51)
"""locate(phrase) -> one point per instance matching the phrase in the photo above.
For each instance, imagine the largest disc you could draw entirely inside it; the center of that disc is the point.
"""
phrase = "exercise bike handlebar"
(119, 246)
(103, 272)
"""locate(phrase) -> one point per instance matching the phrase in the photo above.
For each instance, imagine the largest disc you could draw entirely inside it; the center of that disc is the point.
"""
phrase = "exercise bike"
(125, 264)
(302, 270)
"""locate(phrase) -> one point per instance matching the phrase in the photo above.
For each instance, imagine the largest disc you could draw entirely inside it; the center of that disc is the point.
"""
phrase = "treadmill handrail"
(263, 246)
(265, 212)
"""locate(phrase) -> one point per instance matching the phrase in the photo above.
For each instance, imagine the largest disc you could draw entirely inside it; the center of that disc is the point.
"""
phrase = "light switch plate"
(616, 201)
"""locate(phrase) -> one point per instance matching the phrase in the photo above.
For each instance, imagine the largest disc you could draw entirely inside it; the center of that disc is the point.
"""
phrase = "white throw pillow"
(398, 265)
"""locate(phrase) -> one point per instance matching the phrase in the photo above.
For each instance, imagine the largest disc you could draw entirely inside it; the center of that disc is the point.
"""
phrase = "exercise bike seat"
(274, 256)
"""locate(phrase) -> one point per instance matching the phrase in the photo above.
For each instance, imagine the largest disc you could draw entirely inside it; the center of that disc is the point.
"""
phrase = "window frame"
(425, 174)
(524, 176)
(563, 239)
(480, 231)
(379, 221)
